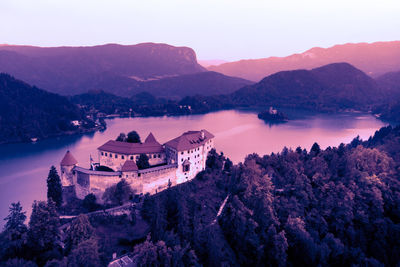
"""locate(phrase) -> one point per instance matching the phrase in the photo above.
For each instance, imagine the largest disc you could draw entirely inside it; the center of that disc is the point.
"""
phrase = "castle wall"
(154, 181)
(150, 180)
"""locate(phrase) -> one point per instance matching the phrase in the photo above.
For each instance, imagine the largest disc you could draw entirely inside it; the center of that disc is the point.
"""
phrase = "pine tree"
(16, 218)
(79, 231)
(14, 233)
(54, 187)
(43, 234)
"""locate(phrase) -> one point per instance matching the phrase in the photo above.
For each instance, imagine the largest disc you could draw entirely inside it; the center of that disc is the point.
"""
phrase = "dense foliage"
(338, 206)
(28, 112)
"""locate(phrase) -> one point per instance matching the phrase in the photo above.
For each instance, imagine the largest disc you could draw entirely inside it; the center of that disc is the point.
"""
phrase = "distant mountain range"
(159, 69)
(212, 62)
(27, 112)
(374, 59)
(73, 70)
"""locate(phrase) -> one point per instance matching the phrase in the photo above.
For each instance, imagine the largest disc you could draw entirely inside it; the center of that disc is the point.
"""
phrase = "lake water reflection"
(24, 167)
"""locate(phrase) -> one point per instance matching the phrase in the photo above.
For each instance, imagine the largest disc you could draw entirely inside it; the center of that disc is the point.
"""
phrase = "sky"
(215, 29)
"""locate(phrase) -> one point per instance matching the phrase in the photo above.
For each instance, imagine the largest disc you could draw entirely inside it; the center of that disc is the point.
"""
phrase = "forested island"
(338, 206)
(272, 116)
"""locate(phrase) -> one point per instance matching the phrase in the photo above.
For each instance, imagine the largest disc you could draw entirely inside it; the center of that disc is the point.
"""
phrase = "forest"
(332, 207)
(338, 206)
(28, 112)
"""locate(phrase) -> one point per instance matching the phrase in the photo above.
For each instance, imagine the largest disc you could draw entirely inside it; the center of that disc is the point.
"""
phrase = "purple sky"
(216, 29)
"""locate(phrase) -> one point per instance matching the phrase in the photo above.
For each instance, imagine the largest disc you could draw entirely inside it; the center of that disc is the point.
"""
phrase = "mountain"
(332, 87)
(211, 62)
(28, 112)
(74, 70)
(374, 59)
(390, 82)
(203, 83)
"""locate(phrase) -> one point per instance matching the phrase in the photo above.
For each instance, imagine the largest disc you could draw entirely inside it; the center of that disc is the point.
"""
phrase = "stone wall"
(150, 180)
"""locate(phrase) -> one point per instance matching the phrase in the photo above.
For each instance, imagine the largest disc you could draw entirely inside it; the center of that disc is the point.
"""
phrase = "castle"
(172, 163)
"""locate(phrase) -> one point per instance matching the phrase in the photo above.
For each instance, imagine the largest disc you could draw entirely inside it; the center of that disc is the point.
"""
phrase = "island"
(273, 116)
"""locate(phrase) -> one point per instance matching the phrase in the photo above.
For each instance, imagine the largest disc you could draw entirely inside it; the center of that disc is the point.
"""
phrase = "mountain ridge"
(372, 58)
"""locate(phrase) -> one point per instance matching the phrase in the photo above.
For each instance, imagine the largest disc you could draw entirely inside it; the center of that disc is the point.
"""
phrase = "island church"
(177, 161)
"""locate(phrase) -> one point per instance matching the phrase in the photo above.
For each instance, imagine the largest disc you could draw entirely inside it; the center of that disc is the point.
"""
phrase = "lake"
(24, 167)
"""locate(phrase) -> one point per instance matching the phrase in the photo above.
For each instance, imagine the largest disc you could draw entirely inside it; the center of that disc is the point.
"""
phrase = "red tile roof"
(131, 148)
(128, 166)
(68, 160)
(189, 140)
(150, 139)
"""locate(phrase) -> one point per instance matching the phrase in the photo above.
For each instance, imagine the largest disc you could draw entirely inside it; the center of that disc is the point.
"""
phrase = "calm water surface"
(24, 167)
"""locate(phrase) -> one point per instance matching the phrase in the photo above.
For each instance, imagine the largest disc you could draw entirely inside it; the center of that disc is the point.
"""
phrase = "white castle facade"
(172, 163)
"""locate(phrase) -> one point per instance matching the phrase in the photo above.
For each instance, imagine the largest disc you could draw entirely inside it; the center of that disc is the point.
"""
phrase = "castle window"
(122, 157)
(186, 168)
(102, 153)
(131, 157)
(116, 156)
(182, 153)
(159, 155)
(110, 155)
(106, 153)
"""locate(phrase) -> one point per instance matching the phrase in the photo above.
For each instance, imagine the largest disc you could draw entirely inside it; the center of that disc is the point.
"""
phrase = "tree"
(228, 165)
(89, 202)
(19, 263)
(315, 149)
(54, 187)
(159, 254)
(123, 192)
(79, 231)
(133, 137)
(43, 234)
(121, 137)
(143, 162)
(86, 254)
(118, 193)
(15, 219)
(14, 234)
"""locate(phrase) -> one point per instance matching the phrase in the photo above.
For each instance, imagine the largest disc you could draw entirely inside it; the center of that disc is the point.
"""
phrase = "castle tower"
(67, 164)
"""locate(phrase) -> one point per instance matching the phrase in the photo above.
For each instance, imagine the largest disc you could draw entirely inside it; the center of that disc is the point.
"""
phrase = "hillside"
(333, 207)
(204, 83)
(332, 87)
(73, 70)
(390, 82)
(372, 58)
(27, 112)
